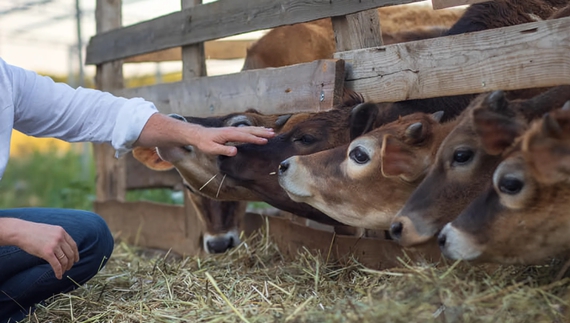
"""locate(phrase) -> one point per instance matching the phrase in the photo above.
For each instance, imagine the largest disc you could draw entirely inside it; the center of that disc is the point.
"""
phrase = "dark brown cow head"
(523, 216)
(466, 160)
(365, 183)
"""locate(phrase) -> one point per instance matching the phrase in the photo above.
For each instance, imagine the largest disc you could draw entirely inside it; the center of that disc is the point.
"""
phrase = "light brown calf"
(365, 183)
(466, 159)
(524, 217)
(306, 42)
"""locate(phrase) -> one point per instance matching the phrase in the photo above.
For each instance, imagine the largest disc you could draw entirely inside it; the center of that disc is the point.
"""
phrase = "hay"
(254, 283)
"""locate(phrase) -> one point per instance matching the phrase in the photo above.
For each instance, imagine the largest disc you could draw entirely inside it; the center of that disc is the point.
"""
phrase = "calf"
(306, 42)
(365, 183)
(523, 216)
(466, 159)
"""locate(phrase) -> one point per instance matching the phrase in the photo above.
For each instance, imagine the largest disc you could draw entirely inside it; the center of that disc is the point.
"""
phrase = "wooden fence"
(523, 56)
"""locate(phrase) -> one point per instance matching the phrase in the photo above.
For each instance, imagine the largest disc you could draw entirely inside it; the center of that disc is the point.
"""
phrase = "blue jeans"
(26, 280)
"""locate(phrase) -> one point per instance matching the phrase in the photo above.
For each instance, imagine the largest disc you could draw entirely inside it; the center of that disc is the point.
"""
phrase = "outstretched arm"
(161, 131)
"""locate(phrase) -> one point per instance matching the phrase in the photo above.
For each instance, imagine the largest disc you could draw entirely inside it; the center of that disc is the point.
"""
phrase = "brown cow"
(466, 159)
(365, 183)
(523, 217)
(306, 42)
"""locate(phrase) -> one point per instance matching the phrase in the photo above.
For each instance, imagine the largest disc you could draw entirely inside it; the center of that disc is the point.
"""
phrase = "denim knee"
(98, 243)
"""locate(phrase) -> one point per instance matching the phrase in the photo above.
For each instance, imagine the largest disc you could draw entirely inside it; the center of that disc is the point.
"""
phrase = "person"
(45, 251)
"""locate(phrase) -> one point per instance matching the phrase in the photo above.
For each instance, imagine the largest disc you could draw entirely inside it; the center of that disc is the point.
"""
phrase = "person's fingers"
(54, 262)
(69, 257)
(225, 150)
(73, 246)
(63, 258)
(235, 135)
(258, 131)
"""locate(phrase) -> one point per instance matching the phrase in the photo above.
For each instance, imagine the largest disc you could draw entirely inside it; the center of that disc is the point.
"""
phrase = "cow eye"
(306, 139)
(359, 156)
(462, 156)
(510, 185)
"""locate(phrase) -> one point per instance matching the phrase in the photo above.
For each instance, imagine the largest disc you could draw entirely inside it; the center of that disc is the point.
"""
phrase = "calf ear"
(496, 124)
(397, 159)
(362, 119)
(150, 158)
(351, 98)
(546, 147)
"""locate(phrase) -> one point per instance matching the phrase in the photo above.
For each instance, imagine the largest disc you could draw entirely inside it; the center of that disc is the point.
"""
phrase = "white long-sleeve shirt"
(37, 106)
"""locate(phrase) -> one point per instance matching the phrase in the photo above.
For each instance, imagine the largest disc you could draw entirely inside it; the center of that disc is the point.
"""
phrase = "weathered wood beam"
(517, 57)
(315, 86)
(111, 173)
(441, 4)
(217, 20)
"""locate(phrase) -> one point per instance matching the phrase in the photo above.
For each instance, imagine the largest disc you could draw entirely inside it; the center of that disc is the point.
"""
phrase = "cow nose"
(396, 230)
(441, 240)
(219, 245)
(283, 167)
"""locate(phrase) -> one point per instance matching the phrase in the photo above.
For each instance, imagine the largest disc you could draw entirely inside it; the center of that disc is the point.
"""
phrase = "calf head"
(220, 219)
(255, 166)
(465, 161)
(365, 183)
(199, 170)
(523, 216)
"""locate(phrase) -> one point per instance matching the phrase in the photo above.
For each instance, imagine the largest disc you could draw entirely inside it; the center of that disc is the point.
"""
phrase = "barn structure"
(522, 56)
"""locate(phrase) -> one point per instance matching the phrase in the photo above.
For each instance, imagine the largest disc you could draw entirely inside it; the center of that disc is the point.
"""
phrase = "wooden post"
(111, 174)
(358, 30)
(193, 65)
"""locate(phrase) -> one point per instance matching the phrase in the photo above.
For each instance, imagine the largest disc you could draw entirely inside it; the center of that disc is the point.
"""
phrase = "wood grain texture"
(217, 20)
(315, 86)
(375, 253)
(441, 4)
(357, 31)
(149, 224)
(524, 56)
(111, 172)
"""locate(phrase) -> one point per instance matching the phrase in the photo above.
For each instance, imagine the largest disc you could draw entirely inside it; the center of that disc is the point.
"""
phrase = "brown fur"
(306, 42)
(485, 129)
(360, 194)
(532, 224)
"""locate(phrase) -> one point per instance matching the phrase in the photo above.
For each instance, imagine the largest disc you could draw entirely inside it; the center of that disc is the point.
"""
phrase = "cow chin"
(455, 244)
(296, 192)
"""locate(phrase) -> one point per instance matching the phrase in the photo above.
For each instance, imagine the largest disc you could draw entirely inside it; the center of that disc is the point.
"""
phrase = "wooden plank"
(149, 224)
(441, 4)
(376, 253)
(524, 56)
(217, 20)
(356, 31)
(314, 86)
(217, 49)
(111, 172)
(141, 177)
(193, 65)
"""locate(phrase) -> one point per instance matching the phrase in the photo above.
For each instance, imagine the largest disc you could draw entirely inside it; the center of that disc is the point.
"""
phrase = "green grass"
(56, 179)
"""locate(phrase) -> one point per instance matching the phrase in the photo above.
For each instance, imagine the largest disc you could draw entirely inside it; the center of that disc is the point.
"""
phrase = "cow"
(523, 216)
(306, 42)
(466, 159)
(365, 183)
(254, 166)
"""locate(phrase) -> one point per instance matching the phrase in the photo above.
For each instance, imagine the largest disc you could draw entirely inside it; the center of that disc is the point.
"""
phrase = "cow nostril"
(441, 240)
(219, 245)
(283, 167)
(396, 230)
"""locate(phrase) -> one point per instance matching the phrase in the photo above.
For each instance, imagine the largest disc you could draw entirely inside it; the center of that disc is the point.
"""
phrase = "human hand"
(51, 243)
(213, 140)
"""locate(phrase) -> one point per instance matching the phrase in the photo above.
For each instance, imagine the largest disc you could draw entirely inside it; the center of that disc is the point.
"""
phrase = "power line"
(25, 6)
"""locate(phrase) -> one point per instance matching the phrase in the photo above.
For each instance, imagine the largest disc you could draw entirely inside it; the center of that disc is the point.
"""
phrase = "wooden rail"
(312, 86)
(517, 57)
(217, 20)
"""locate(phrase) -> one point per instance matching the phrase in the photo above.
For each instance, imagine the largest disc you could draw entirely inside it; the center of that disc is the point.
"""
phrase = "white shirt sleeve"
(43, 108)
